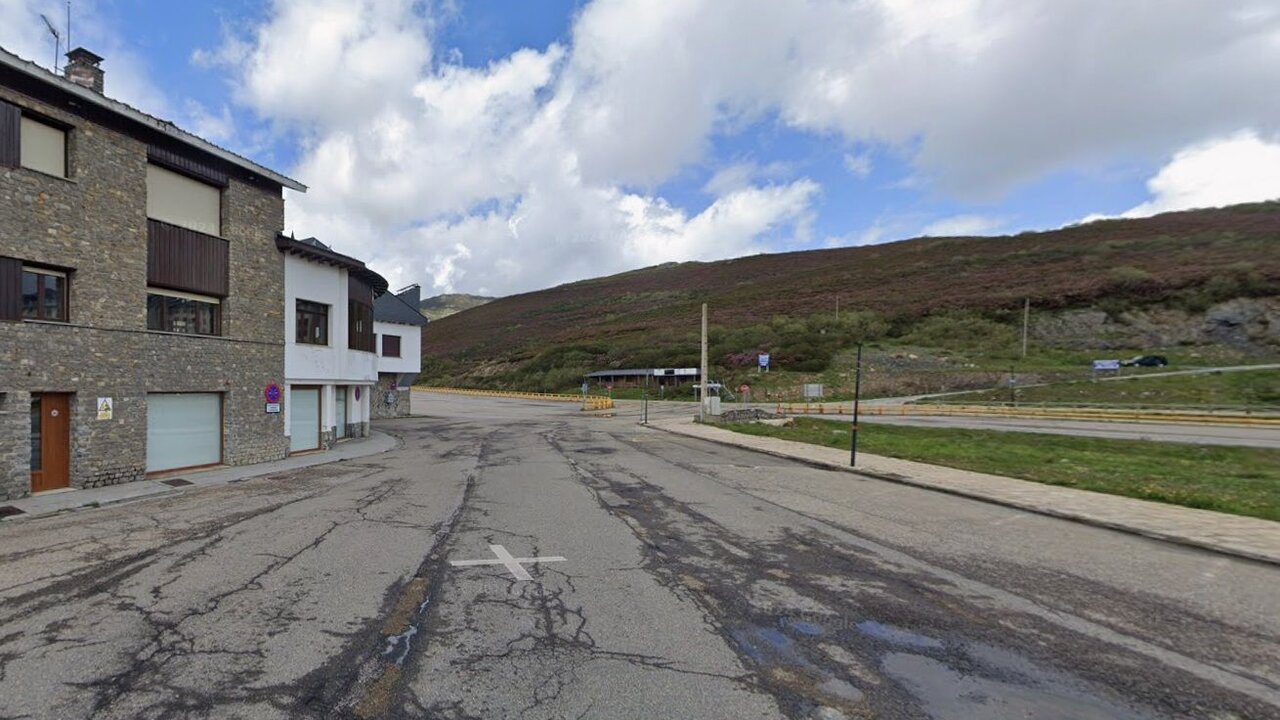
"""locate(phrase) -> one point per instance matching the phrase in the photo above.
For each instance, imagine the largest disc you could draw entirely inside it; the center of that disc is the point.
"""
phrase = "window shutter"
(10, 137)
(10, 288)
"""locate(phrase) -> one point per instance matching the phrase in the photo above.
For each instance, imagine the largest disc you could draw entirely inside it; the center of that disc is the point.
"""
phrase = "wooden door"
(50, 441)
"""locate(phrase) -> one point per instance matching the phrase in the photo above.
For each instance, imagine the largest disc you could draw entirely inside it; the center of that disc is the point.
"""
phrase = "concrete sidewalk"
(61, 501)
(1246, 537)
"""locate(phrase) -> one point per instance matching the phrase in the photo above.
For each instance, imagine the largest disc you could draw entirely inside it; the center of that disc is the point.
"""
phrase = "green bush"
(963, 331)
(1128, 277)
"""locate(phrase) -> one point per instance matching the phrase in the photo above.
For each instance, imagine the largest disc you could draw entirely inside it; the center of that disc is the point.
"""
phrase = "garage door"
(183, 430)
(304, 419)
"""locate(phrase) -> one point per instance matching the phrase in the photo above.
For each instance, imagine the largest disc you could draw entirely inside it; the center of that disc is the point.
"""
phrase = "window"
(43, 147)
(175, 312)
(44, 294)
(391, 346)
(360, 327)
(183, 201)
(312, 323)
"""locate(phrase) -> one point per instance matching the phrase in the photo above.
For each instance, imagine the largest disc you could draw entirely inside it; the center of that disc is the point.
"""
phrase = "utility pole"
(1026, 318)
(645, 421)
(837, 309)
(702, 398)
(857, 395)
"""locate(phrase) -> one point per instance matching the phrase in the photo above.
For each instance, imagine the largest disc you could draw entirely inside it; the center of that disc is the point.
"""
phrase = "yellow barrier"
(589, 402)
(1082, 413)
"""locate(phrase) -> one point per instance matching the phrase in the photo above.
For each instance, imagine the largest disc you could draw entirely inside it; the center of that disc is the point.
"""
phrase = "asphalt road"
(697, 581)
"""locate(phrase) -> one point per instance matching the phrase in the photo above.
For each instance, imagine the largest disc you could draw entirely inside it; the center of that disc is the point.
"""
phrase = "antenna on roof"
(57, 40)
(68, 24)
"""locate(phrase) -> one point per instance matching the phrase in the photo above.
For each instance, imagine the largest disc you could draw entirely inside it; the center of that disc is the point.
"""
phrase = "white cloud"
(858, 164)
(218, 127)
(962, 225)
(412, 156)
(1235, 169)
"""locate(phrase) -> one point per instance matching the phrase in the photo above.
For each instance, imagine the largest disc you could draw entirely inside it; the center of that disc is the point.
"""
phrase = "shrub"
(1126, 276)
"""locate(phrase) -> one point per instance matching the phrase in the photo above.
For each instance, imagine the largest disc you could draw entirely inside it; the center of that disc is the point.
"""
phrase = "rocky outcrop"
(1247, 324)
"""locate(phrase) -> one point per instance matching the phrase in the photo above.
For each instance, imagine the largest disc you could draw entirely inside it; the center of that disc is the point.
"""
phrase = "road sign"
(1106, 365)
(812, 391)
(105, 408)
(763, 358)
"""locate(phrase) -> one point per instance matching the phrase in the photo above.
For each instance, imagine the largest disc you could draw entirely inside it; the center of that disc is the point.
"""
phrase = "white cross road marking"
(513, 564)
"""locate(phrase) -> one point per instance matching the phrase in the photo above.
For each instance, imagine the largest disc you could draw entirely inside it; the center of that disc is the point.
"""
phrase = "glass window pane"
(53, 291)
(155, 312)
(30, 295)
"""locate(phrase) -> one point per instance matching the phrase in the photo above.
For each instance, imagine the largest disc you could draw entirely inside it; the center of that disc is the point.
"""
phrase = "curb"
(166, 490)
(1039, 510)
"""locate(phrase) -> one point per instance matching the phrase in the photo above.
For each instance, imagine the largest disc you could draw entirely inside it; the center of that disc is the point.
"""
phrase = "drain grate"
(177, 482)
(9, 511)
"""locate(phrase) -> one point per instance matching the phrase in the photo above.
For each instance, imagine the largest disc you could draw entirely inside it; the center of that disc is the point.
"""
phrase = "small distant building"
(635, 377)
(397, 325)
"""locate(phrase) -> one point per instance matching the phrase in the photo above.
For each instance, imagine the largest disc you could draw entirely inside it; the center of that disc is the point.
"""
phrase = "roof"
(165, 127)
(392, 308)
(634, 372)
(313, 249)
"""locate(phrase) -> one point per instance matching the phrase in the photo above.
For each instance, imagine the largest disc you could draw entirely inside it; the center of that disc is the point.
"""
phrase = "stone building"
(330, 363)
(142, 309)
(398, 325)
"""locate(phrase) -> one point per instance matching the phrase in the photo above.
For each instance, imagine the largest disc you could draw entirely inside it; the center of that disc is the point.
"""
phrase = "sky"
(501, 146)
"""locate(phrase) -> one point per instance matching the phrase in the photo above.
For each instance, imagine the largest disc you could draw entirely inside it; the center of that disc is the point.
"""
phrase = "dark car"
(1146, 361)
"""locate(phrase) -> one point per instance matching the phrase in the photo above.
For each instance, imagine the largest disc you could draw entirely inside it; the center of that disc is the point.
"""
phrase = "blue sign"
(764, 360)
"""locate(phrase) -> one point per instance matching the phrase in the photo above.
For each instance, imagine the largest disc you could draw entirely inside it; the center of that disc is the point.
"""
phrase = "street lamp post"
(857, 396)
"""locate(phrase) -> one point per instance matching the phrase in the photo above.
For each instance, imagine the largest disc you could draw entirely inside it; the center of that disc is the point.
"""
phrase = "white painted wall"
(322, 364)
(329, 365)
(410, 360)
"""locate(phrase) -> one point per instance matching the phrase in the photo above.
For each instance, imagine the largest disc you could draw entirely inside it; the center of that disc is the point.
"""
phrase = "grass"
(1259, 388)
(1240, 481)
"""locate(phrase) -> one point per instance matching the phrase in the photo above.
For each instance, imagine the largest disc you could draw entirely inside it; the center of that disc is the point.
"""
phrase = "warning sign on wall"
(104, 408)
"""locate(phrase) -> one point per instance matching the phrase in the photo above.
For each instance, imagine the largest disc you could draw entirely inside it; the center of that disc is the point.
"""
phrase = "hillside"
(442, 306)
(926, 291)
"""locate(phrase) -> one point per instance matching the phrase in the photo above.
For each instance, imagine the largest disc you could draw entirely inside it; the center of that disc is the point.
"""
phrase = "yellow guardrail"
(1080, 413)
(589, 402)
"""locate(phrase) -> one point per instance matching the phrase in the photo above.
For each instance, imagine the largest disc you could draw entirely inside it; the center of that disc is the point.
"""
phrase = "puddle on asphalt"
(946, 694)
(805, 628)
(897, 635)
(769, 646)
(398, 645)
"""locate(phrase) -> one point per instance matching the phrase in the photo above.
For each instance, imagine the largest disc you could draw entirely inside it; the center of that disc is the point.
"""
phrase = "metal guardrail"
(1078, 413)
(589, 402)
(1194, 408)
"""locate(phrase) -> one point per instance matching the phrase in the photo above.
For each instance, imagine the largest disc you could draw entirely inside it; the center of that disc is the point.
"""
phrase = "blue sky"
(498, 147)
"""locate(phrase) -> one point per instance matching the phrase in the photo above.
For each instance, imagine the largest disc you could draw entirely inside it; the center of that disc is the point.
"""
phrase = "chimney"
(82, 69)
(411, 295)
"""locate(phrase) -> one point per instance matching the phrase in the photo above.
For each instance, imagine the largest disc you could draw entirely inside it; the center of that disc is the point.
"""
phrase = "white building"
(330, 363)
(397, 324)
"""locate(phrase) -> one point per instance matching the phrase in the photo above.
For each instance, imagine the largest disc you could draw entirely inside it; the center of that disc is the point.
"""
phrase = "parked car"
(1146, 361)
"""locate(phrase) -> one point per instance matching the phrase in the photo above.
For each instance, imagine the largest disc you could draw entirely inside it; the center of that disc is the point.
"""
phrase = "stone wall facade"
(94, 222)
(386, 389)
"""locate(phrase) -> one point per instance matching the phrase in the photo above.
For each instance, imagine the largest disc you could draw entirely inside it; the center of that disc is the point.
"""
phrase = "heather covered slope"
(1188, 260)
